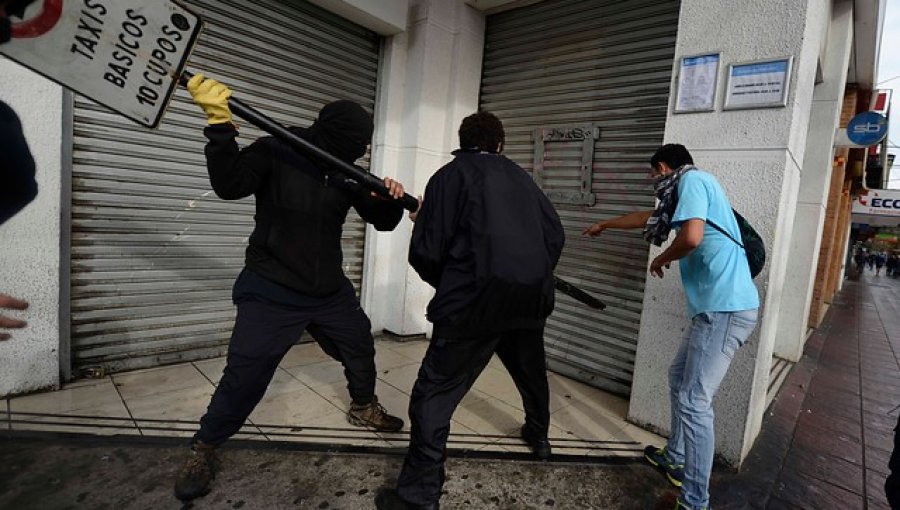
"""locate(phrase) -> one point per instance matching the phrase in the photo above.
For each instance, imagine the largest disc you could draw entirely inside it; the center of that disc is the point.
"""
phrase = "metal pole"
(359, 174)
(272, 127)
(577, 294)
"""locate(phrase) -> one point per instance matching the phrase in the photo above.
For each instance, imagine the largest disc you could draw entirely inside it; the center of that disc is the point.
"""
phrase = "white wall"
(757, 156)
(30, 257)
(429, 82)
(385, 17)
(815, 179)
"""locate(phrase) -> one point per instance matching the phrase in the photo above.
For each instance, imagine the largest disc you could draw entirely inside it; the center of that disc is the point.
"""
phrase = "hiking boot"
(657, 458)
(374, 416)
(388, 499)
(196, 473)
(539, 444)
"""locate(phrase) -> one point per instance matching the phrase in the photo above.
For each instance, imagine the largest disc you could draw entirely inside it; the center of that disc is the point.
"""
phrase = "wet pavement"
(106, 473)
(824, 445)
(827, 438)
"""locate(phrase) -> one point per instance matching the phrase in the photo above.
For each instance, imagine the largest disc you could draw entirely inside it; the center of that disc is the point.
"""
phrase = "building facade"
(127, 256)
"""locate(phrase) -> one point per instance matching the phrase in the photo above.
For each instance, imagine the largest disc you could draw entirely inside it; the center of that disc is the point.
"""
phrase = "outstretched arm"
(629, 221)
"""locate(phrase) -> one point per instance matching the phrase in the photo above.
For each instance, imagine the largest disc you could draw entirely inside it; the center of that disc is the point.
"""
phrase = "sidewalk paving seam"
(124, 403)
(862, 413)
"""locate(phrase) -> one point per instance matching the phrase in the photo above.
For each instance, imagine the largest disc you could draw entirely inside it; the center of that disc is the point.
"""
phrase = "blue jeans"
(694, 378)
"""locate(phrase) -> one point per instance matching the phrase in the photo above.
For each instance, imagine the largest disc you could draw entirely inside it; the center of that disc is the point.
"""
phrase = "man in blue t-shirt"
(722, 303)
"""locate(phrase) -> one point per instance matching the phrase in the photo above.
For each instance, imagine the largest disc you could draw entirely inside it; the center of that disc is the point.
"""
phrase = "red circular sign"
(40, 24)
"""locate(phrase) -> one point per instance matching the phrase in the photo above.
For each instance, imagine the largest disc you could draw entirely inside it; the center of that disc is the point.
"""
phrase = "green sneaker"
(658, 459)
(681, 506)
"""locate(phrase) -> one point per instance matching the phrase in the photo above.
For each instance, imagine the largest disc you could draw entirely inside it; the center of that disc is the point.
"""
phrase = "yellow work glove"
(212, 96)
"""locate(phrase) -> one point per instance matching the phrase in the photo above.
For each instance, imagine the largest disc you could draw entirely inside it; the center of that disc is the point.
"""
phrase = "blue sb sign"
(867, 128)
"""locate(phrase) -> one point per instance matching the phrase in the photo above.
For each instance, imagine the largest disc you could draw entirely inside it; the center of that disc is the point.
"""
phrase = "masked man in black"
(487, 238)
(293, 279)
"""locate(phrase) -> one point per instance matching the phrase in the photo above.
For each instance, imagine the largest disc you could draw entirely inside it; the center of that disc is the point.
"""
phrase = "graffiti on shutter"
(564, 162)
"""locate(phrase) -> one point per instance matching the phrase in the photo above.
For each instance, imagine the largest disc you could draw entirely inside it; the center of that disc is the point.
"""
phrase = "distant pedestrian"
(860, 259)
(880, 260)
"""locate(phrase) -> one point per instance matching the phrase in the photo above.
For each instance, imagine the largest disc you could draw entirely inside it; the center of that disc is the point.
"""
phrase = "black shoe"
(196, 473)
(539, 445)
(388, 499)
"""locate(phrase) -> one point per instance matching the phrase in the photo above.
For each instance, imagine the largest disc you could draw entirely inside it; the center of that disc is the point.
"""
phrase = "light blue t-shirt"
(716, 275)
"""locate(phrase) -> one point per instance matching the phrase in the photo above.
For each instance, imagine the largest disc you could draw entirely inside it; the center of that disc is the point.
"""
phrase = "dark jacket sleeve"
(383, 214)
(235, 173)
(18, 187)
(436, 225)
(554, 235)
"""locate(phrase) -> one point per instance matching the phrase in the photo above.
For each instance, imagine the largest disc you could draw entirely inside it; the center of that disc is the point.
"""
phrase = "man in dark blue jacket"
(487, 239)
(17, 184)
(18, 189)
(293, 279)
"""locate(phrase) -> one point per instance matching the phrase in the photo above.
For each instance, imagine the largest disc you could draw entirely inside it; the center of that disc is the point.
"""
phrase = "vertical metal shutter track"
(606, 63)
(154, 251)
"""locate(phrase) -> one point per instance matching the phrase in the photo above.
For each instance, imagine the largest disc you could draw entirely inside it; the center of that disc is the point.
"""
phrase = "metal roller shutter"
(154, 251)
(582, 89)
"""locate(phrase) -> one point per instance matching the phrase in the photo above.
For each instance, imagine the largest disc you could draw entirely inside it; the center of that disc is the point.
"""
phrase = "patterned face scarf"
(657, 229)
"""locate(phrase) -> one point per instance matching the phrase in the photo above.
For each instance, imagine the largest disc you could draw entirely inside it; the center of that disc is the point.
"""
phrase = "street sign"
(867, 128)
(878, 202)
(124, 54)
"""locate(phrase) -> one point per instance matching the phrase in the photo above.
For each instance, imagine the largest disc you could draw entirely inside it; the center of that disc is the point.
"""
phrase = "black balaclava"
(13, 8)
(344, 129)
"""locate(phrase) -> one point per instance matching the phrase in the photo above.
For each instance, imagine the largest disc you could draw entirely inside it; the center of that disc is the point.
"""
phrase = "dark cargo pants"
(263, 333)
(448, 371)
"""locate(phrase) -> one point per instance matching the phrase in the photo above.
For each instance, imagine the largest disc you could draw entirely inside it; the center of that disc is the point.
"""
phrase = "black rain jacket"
(301, 207)
(488, 239)
(18, 187)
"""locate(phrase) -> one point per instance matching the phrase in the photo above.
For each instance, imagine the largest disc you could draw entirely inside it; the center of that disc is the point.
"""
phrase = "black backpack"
(752, 243)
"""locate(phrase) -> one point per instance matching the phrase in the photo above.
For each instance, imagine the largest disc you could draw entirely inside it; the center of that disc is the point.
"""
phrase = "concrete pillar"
(840, 243)
(815, 175)
(757, 155)
(31, 254)
(820, 290)
(845, 229)
(837, 241)
(429, 82)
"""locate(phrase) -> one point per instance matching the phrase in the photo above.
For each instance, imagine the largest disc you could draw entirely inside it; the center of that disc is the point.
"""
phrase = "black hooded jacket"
(18, 186)
(487, 238)
(301, 205)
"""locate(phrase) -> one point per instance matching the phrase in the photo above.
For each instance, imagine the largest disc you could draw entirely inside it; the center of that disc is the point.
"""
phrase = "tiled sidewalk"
(826, 441)
(307, 401)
